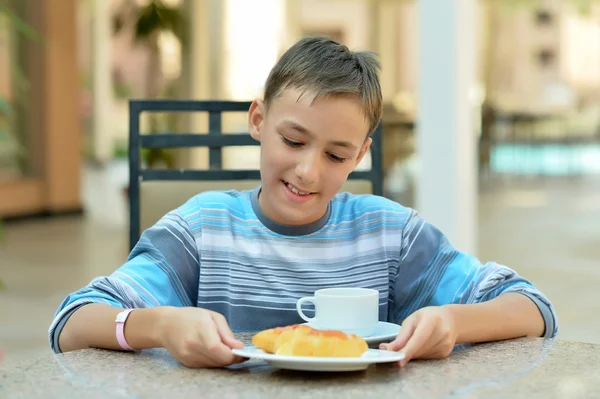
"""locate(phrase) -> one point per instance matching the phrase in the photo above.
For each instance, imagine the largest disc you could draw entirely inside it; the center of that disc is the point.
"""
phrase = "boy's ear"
(363, 150)
(256, 118)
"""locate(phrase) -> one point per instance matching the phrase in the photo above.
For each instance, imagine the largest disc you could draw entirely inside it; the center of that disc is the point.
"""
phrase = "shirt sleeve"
(432, 272)
(162, 270)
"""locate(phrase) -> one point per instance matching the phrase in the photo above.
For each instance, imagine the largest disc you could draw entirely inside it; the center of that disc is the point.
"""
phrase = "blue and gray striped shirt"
(219, 251)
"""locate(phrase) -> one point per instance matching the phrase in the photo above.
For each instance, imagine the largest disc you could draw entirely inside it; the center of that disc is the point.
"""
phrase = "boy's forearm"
(93, 326)
(510, 315)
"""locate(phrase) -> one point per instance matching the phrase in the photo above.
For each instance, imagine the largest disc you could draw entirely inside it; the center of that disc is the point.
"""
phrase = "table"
(524, 368)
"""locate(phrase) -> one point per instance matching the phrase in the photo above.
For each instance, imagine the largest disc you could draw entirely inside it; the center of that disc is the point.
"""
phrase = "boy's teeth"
(295, 191)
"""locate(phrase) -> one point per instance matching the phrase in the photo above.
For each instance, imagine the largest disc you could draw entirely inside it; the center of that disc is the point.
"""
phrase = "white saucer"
(384, 332)
(309, 363)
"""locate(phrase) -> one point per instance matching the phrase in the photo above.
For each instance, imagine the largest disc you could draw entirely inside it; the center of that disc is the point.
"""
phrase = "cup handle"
(310, 299)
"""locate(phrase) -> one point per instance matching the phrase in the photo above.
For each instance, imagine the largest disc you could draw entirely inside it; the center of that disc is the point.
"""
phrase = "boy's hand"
(429, 333)
(198, 337)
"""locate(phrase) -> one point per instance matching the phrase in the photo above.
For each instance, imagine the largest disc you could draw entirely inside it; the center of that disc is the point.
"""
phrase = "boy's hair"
(327, 68)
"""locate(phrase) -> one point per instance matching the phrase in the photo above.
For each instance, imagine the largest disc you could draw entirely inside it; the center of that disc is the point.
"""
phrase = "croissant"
(302, 340)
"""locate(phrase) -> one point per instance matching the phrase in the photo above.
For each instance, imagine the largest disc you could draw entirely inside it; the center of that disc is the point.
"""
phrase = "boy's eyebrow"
(296, 126)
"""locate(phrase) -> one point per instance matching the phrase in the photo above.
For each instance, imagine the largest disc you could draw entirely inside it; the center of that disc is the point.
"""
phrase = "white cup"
(351, 310)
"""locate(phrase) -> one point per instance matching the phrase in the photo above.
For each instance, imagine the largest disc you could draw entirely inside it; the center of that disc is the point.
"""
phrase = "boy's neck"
(288, 230)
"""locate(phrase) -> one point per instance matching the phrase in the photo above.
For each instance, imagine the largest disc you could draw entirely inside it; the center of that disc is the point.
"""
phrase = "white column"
(102, 131)
(248, 65)
(446, 194)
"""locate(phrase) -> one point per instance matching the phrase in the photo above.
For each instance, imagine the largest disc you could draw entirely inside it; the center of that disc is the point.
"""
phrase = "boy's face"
(308, 149)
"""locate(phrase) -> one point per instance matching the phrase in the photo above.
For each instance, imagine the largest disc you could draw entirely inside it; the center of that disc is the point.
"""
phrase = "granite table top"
(522, 368)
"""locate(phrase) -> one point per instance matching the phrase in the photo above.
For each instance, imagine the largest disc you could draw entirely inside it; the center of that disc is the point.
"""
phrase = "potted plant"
(12, 154)
(149, 21)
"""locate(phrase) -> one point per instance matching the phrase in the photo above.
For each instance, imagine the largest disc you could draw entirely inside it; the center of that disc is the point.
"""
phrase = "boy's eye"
(290, 142)
(335, 158)
(296, 144)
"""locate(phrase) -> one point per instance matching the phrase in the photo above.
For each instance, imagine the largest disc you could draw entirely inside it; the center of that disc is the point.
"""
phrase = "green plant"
(9, 140)
(149, 22)
(10, 147)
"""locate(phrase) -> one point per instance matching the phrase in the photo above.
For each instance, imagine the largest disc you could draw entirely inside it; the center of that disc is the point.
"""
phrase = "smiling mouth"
(297, 191)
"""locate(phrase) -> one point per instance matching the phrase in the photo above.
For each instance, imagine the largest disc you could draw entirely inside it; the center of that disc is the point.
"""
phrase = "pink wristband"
(120, 324)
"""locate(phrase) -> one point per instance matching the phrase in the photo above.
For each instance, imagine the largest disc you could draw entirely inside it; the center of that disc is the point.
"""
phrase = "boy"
(239, 261)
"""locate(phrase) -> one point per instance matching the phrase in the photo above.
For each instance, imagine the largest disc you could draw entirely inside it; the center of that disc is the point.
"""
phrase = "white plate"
(384, 332)
(309, 363)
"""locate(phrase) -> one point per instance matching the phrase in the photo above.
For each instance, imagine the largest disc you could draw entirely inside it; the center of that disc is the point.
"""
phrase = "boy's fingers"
(201, 361)
(418, 339)
(214, 348)
(239, 359)
(225, 332)
(398, 343)
(217, 359)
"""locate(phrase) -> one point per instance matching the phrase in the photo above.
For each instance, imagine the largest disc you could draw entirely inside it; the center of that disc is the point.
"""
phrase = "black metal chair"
(215, 140)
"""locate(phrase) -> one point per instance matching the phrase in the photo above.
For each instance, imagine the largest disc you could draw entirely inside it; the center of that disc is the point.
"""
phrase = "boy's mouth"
(296, 190)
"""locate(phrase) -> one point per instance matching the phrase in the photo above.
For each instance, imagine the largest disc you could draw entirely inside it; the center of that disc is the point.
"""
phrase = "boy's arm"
(162, 270)
(507, 316)
(433, 273)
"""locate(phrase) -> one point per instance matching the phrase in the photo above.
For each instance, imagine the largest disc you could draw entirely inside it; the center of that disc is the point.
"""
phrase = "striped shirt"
(219, 251)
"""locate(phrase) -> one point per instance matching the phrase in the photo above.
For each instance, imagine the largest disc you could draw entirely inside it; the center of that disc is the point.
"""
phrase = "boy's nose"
(307, 170)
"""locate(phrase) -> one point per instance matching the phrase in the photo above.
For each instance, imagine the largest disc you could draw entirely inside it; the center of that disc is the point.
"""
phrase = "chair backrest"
(161, 190)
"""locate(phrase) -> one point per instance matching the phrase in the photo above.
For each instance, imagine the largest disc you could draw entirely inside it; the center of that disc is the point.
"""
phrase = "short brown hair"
(328, 68)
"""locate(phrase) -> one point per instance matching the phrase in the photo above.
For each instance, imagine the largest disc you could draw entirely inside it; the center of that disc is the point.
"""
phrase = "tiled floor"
(547, 229)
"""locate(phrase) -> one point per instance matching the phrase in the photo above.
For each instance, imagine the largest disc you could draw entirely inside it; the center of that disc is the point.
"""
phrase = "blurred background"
(69, 67)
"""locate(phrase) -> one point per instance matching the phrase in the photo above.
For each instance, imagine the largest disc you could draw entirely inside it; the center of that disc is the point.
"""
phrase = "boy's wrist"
(143, 327)
(476, 322)
(461, 327)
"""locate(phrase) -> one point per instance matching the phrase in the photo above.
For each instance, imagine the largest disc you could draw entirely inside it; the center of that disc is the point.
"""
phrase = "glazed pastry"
(302, 340)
